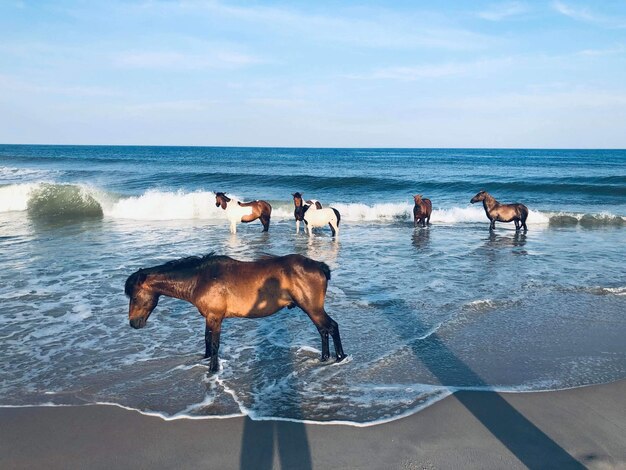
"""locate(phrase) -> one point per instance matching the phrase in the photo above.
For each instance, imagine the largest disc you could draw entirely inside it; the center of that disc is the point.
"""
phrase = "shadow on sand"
(526, 441)
(261, 439)
(531, 446)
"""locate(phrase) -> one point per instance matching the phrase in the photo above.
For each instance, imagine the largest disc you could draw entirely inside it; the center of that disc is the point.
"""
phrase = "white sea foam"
(21, 174)
(481, 304)
(607, 290)
(15, 197)
(183, 205)
(162, 205)
(356, 212)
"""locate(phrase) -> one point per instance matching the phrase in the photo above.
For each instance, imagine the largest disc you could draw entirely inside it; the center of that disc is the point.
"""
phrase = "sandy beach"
(577, 428)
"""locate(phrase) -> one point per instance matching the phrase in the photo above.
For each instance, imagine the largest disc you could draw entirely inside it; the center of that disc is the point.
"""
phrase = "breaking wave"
(42, 200)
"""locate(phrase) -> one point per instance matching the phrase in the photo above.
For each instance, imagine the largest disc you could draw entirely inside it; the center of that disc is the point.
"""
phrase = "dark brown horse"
(238, 211)
(301, 207)
(517, 213)
(221, 287)
(421, 210)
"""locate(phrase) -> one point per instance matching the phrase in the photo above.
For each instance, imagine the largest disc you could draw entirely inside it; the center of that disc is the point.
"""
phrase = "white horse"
(314, 215)
(302, 206)
(237, 211)
(320, 217)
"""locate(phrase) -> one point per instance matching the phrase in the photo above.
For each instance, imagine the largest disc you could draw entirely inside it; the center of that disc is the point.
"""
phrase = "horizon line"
(309, 147)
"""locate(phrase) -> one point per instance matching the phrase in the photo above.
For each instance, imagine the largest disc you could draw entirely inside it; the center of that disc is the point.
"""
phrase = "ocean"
(422, 311)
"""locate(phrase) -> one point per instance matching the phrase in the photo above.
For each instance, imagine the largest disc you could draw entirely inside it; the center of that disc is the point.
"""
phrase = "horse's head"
(297, 199)
(480, 196)
(417, 198)
(142, 299)
(221, 200)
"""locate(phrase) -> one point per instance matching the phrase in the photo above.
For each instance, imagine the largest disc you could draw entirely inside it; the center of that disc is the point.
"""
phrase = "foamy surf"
(430, 394)
(57, 200)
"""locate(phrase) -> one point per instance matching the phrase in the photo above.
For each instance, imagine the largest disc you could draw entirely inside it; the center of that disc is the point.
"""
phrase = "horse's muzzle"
(473, 200)
(217, 204)
(137, 323)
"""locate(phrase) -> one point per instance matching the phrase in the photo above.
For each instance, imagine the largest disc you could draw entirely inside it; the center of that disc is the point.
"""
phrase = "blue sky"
(316, 74)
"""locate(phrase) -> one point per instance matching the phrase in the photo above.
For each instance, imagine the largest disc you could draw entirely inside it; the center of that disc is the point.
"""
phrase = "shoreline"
(572, 428)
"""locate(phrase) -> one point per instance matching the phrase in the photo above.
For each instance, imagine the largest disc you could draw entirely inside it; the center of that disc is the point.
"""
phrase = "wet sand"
(577, 428)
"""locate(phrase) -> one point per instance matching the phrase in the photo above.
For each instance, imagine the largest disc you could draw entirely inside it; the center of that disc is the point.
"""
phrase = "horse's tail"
(325, 269)
(429, 206)
(523, 212)
(338, 215)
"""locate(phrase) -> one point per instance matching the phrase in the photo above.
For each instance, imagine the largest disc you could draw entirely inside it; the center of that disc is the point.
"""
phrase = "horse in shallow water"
(517, 212)
(301, 207)
(237, 211)
(221, 287)
(317, 217)
(421, 210)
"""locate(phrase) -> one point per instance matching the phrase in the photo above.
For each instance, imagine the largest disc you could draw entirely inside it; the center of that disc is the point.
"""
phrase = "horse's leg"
(325, 326)
(516, 224)
(207, 341)
(336, 229)
(334, 331)
(414, 221)
(325, 350)
(233, 227)
(216, 328)
(492, 226)
(265, 220)
(333, 231)
(297, 226)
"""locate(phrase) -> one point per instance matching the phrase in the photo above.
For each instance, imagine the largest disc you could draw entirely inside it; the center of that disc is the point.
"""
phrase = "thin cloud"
(427, 71)
(180, 60)
(177, 106)
(18, 84)
(278, 102)
(581, 14)
(586, 15)
(620, 49)
(503, 11)
(377, 29)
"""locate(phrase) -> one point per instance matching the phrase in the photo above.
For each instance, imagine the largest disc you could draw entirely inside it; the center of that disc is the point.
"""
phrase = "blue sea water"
(422, 312)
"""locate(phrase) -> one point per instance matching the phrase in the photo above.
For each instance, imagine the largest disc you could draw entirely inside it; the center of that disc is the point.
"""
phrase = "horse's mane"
(224, 196)
(180, 265)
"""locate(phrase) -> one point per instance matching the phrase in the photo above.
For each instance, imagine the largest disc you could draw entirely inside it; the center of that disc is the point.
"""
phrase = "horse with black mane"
(237, 211)
(221, 287)
(517, 212)
(314, 215)
(422, 210)
(301, 207)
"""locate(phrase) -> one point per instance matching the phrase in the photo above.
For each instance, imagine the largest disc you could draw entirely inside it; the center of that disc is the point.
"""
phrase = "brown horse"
(517, 213)
(421, 210)
(222, 287)
(301, 208)
(238, 211)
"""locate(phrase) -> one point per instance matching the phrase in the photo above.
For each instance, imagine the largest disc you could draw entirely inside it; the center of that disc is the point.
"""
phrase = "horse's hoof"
(323, 358)
(341, 358)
